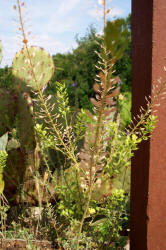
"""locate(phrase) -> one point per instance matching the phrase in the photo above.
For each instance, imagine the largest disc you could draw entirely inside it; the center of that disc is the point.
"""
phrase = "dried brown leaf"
(89, 114)
(109, 101)
(102, 77)
(95, 103)
(115, 93)
(91, 127)
(97, 88)
(107, 112)
(116, 79)
(84, 156)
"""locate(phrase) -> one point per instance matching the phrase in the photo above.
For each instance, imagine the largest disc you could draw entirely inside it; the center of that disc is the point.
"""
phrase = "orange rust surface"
(148, 175)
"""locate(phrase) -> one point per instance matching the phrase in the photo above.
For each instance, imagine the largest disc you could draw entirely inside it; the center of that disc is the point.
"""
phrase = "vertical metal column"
(148, 171)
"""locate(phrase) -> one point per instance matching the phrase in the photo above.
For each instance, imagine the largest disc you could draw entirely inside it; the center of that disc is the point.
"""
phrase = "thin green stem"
(95, 150)
(72, 157)
(148, 109)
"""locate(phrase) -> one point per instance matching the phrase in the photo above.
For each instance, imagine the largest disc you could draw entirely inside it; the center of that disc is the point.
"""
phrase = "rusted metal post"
(148, 174)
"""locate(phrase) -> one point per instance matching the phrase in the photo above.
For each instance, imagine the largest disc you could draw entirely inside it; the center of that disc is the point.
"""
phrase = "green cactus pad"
(42, 63)
(8, 110)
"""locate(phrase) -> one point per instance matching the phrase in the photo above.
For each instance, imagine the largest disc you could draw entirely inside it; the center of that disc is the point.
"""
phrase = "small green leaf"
(1, 184)
(3, 141)
(99, 222)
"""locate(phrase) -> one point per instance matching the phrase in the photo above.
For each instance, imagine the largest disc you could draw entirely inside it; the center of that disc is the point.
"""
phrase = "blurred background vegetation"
(77, 69)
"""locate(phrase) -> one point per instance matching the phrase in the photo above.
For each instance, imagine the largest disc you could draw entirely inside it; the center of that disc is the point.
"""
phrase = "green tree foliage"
(123, 66)
(77, 68)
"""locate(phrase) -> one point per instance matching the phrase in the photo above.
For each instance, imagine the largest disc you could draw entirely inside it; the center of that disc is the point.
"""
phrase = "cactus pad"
(8, 110)
(41, 62)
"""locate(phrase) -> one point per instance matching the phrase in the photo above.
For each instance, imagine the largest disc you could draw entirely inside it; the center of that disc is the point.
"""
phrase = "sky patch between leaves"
(53, 24)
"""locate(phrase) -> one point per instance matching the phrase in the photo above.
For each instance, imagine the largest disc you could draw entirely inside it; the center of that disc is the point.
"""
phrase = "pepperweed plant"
(77, 197)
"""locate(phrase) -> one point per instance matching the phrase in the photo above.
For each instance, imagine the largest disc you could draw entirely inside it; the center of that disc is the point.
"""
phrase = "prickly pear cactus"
(8, 110)
(41, 62)
(0, 51)
(15, 112)
(25, 125)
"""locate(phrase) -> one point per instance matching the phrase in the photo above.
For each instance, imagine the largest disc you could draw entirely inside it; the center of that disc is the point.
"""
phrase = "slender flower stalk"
(25, 41)
(95, 149)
